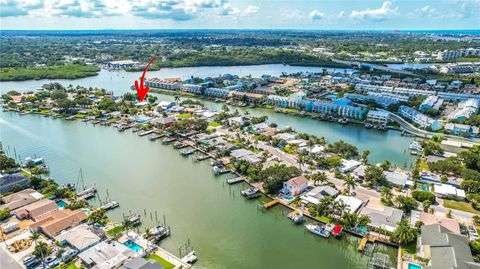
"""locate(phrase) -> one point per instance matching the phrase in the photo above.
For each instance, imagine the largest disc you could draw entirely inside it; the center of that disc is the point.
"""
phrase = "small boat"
(133, 218)
(318, 229)
(296, 216)
(337, 230)
(167, 140)
(186, 152)
(35, 161)
(158, 232)
(110, 205)
(343, 121)
(190, 258)
(234, 180)
(415, 146)
(154, 137)
(218, 170)
(145, 133)
(87, 192)
(249, 191)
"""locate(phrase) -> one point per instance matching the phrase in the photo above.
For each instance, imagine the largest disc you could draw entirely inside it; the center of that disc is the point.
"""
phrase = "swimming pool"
(133, 246)
(414, 266)
(423, 187)
(61, 203)
(86, 211)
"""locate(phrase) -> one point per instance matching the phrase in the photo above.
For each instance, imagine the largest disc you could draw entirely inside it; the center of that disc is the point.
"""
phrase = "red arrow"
(141, 89)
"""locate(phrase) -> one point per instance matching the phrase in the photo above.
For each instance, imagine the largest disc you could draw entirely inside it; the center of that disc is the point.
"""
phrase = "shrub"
(423, 195)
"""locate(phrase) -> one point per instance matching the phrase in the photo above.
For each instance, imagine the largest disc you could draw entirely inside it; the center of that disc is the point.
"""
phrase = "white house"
(295, 186)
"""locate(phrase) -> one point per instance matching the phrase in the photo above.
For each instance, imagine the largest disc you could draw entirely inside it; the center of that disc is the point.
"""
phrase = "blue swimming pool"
(86, 211)
(61, 203)
(133, 246)
(414, 266)
(423, 187)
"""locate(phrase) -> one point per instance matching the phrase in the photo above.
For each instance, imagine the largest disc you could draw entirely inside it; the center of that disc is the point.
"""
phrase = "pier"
(154, 137)
(145, 133)
(235, 180)
(186, 152)
(270, 204)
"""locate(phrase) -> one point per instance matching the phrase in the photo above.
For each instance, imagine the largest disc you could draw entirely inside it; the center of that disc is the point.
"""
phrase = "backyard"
(163, 262)
(463, 206)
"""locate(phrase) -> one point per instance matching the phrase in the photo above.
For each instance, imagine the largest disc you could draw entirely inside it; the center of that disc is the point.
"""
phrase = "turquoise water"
(133, 246)
(86, 211)
(414, 266)
(61, 204)
(423, 187)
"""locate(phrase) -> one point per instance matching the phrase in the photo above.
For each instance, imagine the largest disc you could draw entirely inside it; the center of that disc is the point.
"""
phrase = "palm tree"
(319, 177)
(311, 144)
(349, 219)
(365, 154)
(176, 98)
(363, 220)
(387, 196)
(404, 233)
(34, 237)
(350, 183)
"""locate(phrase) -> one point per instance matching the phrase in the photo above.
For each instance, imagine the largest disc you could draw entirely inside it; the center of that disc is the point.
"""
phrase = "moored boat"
(296, 216)
(318, 229)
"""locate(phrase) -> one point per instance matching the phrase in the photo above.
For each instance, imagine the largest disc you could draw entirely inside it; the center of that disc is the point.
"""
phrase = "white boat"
(158, 232)
(296, 216)
(190, 258)
(415, 146)
(87, 192)
(249, 191)
(110, 205)
(318, 230)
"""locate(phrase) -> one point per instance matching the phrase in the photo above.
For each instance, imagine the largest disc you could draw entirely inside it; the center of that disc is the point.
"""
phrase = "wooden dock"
(145, 133)
(270, 204)
(364, 242)
(235, 180)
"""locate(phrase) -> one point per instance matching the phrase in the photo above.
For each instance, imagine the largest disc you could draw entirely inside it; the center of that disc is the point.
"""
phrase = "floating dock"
(364, 242)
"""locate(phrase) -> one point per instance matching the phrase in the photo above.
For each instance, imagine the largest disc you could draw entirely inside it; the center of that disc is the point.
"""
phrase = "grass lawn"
(184, 116)
(463, 206)
(213, 124)
(324, 219)
(114, 231)
(25, 172)
(80, 116)
(423, 165)
(71, 265)
(166, 264)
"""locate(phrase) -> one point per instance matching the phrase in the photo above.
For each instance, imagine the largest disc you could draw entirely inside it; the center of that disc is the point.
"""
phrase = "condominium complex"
(378, 117)
(454, 54)
(431, 102)
(465, 109)
(418, 118)
(162, 84)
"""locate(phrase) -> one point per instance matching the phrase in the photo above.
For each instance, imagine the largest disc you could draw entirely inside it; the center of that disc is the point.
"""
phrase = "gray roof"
(396, 178)
(386, 219)
(141, 263)
(447, 250)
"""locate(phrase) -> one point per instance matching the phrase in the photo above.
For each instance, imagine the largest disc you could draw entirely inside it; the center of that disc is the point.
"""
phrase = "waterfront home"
(257, 128)
(9, 182)
(163, 122)
(237, 121)
(378, 117)
(141, 263)
(164, 106)
(295, 186)
(359, 172)
(317, 194)
(418, 118)
(342, 111)
(37, 210)
(20, 199)
(349, 165)
(80, 238)
(428, 219)
(448, 191)
(217, 92)
(395, 178)
(316, 149)
(247, 155)
(385, 218)
(353, 204)
(59, 221)
(284, 136)
(107, 254)
(462, 129)
(444, 249)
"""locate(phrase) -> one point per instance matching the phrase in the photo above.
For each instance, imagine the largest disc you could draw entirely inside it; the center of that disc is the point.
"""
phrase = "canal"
(152, 179)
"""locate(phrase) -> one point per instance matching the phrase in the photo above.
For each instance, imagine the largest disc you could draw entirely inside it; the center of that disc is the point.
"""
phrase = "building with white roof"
(448, 191)
(465, 109)
(107, 255)
(80, 237)
(378, 117)
(431, 102)
(418, 118)
(353, 204)
(460, 129)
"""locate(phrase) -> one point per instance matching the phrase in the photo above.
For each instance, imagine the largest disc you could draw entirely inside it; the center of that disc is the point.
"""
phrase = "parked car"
(69, 254)
(31, 262)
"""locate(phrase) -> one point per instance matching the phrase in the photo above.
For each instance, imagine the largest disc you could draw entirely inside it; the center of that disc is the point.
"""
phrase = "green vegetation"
(115, 231)
(4, 214)
(213, 124)
(163, 262)
(404, 233)
(423, 196)
(463, 206)
(70, 71)
(184, 116)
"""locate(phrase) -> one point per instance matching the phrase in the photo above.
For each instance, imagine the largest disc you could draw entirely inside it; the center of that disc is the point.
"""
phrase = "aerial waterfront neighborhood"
(239, 134)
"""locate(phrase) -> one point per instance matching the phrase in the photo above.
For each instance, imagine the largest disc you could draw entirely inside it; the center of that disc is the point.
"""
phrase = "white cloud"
(228, 9)
(151, 9)
(316, 15)
(251, 9)
(386, 11)
(426, 11)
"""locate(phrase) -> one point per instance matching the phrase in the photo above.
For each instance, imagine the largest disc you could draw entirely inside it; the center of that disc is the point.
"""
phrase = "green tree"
(373, 175)
(350, 183)
(404, 233)
(319, 177)
(405, 203)
(4, 214)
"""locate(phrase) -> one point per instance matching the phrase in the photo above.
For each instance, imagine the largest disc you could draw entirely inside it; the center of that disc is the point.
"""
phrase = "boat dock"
(110, 205)
(364, 242)
(145, 133)
(154, 137)
(218, 170)
(201, 158)
(124, 127)
(167, 140)
(179, 145)
(235, 180)
(270, 204)
(186, 152)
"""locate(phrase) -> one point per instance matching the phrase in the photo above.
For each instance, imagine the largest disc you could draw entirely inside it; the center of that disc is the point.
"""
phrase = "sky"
(240, 14)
